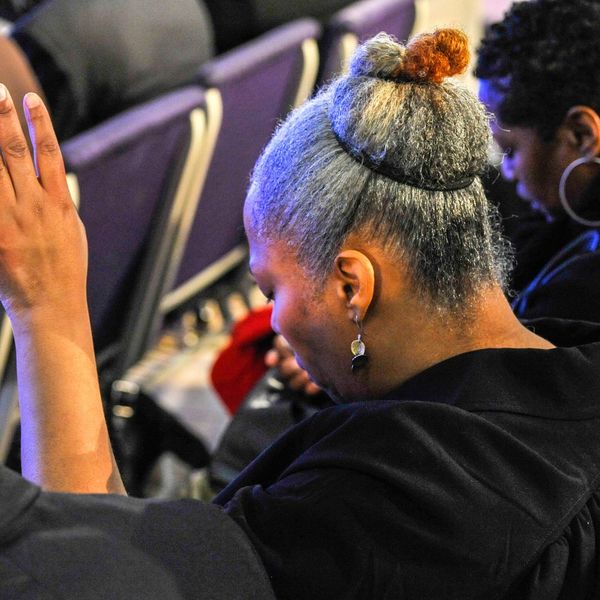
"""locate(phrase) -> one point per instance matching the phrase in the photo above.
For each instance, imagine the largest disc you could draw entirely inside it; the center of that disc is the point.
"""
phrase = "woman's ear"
(355, 282)
(582, 125)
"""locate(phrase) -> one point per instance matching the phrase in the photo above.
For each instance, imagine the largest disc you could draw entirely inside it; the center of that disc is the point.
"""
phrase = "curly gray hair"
(381, 152)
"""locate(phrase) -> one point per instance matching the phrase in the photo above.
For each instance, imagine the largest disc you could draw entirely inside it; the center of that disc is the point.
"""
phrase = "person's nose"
(507, 168)
(274, 325)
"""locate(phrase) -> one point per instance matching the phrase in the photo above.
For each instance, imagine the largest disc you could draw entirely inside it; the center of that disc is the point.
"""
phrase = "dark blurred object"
(11, 10)
(238, 21)
(99, 57)
(142, 431)
(269, 410)
(563, 287)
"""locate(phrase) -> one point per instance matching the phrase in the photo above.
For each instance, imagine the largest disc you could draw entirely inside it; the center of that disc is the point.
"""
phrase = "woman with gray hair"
(461, 460)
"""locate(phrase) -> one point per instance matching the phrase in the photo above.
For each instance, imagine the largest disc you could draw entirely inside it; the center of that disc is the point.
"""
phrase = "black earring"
(358, 348)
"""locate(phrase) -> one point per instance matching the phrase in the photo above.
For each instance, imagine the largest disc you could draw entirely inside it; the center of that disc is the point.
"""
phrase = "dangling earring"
(563, 196)
(358, 348)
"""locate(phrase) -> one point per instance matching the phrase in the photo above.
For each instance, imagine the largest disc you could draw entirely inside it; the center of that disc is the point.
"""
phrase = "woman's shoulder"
(567, 566)
(432, 489)
(568, 285)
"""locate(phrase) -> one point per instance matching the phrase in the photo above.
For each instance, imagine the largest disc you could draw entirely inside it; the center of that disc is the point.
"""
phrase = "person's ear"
(355, 282)
(582, 125)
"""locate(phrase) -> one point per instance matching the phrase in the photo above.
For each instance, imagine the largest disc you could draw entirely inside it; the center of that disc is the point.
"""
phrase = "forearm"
(65, 444)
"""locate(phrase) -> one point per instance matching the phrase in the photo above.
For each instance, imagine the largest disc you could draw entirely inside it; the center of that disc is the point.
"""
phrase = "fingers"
(48, 159)
(13, 143)
(271, 358)
(282, 357)
(279, 352)
(281, 345)
(298, 379)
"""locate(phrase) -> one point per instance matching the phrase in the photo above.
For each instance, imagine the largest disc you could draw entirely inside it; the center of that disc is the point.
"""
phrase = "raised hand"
(43, 251)
(43, 264)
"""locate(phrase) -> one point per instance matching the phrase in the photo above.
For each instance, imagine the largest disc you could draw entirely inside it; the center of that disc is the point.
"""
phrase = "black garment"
(478, 478)
(557, 271)
(10, 10)
(80, 547)
(237, 21)
(568, 285)
(95, 58)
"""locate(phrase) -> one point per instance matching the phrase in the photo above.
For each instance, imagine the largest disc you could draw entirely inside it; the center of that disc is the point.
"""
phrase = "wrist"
(66, 317)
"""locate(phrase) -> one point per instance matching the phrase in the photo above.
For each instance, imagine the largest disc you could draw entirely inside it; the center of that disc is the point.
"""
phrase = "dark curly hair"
(544, 57)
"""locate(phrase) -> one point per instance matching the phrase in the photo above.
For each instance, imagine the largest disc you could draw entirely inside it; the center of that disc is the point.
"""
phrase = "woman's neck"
(425, 337)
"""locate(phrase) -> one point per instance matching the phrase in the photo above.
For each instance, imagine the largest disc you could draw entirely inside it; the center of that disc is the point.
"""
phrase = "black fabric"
(62, 102)
(99, 57)
(479, 478)
(537, 241)
(98, 547)
(238, 21)
(556, 273)
(10, 10)
(568, 285)
(269, 410)
(140, 438)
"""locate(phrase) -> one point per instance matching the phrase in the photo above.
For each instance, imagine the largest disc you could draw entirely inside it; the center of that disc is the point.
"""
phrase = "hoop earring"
(563, 196)
(358, 348)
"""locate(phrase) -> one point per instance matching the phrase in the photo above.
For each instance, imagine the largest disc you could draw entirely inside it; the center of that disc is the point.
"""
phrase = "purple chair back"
(360, 21)
(127, 171)
(257, 83)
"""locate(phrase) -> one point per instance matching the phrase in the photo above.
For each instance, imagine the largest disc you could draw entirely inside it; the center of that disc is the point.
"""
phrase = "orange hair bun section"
(428, 57)
(435, 56)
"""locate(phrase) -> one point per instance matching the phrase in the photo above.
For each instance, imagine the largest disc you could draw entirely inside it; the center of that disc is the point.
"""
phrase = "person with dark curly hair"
(539, 75)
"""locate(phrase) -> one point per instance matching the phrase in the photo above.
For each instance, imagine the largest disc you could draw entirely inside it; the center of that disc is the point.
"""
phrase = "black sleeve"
(97, 547)
(571, 291)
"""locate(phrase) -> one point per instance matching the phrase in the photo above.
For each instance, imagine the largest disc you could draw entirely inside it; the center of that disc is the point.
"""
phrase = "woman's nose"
(274, 325)
(507, 168)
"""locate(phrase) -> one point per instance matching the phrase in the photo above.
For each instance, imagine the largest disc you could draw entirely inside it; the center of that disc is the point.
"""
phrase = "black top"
(237, 21)
(477, 478)
(81, 547)
(557, 270)
(568, 285)
(95, 58)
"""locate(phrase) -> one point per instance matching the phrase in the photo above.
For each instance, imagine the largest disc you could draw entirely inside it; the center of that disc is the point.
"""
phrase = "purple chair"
(9, 400)
(358, 22)
(248, 89)
(131, 178)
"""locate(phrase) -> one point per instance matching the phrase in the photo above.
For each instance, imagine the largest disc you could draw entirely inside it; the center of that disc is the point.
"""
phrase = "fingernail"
(32, 100)
(2, 91)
